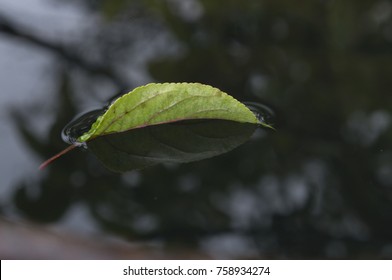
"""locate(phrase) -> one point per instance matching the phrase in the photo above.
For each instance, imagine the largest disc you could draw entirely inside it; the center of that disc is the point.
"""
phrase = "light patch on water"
(188, 183)
(52, 20)
(365, 128)
(381, 12)
(229, 246)
(244, 208)
(283, 195)
(132, 178)
(145, 223)
(258, 83)
(79, 219)
(297, 191)
(189, 10)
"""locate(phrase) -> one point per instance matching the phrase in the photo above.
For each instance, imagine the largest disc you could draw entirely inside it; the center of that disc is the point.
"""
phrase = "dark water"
(319, 186)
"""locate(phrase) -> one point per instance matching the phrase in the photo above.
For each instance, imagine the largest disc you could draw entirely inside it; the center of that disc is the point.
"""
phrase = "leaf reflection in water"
(176, 142)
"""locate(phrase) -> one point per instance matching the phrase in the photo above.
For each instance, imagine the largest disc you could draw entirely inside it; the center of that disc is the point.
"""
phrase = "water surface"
(317, 187)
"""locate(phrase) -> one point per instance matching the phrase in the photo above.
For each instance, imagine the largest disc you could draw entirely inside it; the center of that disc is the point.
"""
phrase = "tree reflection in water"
(317, 188)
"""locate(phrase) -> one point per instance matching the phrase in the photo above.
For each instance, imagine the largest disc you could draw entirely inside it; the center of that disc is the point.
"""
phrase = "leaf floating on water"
(163, 103)
(151, 105)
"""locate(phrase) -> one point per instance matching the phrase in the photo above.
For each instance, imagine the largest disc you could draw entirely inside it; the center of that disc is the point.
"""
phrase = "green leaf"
(154, 104)
(176, 142)
(157, 105)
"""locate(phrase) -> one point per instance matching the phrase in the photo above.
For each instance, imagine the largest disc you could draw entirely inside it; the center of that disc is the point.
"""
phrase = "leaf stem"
(56, 156)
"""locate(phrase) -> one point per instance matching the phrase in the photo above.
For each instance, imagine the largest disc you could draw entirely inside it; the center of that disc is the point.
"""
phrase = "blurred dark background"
(319, 187)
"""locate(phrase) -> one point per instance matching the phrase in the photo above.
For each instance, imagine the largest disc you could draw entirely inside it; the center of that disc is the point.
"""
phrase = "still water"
(318, 186)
